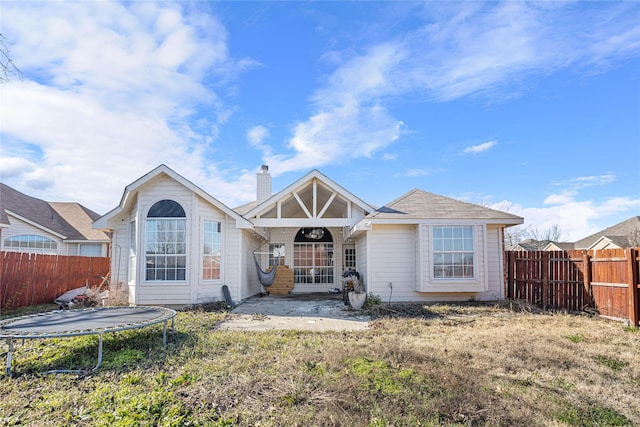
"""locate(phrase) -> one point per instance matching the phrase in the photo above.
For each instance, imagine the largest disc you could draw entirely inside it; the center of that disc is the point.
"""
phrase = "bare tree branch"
(7, 67)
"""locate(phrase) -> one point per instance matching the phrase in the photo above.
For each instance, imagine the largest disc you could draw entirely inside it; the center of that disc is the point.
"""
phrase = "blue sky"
(532, 108)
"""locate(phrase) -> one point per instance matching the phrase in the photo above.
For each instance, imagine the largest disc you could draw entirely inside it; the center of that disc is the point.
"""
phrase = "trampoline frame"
(168, 314)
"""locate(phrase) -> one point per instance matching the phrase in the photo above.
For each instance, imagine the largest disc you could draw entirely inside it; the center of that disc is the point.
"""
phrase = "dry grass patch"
(448, 365)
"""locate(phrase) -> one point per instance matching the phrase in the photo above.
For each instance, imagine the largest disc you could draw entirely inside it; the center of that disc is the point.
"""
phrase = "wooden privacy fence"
(28, 279)
(604, 280)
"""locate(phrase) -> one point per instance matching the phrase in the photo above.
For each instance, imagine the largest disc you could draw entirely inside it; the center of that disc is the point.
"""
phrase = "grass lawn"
(444, 365)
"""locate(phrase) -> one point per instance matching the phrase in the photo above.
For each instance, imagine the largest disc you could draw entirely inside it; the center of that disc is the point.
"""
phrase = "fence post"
(632, 274)
(509, 281)
(586, 276)
(545, 279)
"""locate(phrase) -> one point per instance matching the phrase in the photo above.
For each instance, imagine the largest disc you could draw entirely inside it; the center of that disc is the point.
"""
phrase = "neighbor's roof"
(418, 204)
(72, 221)
(530, 245)
(561, 246)
(619, 234)
(80, 218)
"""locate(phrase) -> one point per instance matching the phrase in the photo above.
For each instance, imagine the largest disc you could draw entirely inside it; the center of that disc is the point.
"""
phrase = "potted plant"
(357, 297)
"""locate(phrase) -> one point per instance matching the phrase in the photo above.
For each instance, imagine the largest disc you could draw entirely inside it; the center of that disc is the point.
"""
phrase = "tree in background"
(551, 234)
(7, 67)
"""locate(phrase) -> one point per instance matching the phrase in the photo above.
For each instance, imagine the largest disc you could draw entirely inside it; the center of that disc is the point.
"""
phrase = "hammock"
(266, 278)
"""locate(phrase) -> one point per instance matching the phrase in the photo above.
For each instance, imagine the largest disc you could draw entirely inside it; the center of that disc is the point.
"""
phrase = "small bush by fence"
(28, 279)
(605, 281)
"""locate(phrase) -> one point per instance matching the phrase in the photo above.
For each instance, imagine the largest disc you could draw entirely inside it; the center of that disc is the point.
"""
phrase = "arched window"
(313, 256)
(30, 243)
(166, 242)
(166, 209)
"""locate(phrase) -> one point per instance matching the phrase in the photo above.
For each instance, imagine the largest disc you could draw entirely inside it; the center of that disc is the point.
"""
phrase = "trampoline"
(90, 321)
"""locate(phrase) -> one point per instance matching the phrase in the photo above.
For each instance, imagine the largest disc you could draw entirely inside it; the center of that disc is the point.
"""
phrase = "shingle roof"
(531, 245)
(80, 218)
(618, 233)
(418, 204)
(243, 209)
(564, 246)
(71, 220)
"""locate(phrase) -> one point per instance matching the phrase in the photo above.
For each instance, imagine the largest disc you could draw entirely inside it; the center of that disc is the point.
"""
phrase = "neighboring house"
(530, 245)
(625, 234)
(559, 246)
(620, 236)
(32, 225)
(176, 244)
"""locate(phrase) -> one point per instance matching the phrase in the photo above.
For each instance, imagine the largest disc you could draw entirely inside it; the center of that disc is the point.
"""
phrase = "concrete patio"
(310, 312)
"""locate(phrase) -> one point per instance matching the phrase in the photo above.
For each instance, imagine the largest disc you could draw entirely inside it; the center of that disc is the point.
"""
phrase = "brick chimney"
(263, 188)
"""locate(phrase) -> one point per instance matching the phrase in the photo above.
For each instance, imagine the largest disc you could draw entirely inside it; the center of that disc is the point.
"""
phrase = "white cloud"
(257, 134)
(575, 218)
(11, 167)
(336, 135)
(560, 199)
(109, 92)
(113, 89)
(470, 49)
(350, 122)
(587, 181)
(476, 149)
(485, 49)
(416, 172)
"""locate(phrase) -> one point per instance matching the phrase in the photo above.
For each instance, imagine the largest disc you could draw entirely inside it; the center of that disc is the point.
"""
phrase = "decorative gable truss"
(312, 201)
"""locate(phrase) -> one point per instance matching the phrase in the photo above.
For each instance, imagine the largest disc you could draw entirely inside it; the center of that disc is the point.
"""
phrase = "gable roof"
(619, 233)
(70, 221)
(132, 189)
(559, 246)
(259, 209)
(418, 204)
(530, 245)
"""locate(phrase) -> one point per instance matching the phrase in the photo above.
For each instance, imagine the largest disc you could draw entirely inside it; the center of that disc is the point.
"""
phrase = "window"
(132, 251)
(90, 249)
(313, 263)
(313, 256)
(349, 258)
(166, 242)
(453, 252)
(212, 250)
(276, 253)
(30, 243)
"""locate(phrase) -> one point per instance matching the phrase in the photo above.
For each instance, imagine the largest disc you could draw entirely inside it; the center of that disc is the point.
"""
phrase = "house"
(176, 244)
(28, 224)
(625, 234)
(558, 246)
(529, 245)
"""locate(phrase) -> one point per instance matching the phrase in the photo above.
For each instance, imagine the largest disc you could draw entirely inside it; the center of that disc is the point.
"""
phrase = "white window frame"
(95, 249)
(133, 244)
(349, 257)
(171, 251)
(324, 274)
(32, 243)
(219, 246)
(452, 244)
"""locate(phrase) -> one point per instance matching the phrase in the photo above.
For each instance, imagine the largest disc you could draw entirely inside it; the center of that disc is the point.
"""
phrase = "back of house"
(175, 244)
